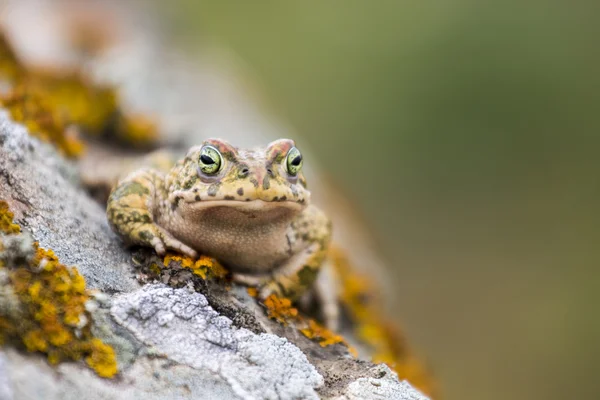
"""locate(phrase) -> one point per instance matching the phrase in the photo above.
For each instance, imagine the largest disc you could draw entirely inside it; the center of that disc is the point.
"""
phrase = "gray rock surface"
(181, 325)
(43, 186)
(202, 354)
(383, 386)
(27, 377)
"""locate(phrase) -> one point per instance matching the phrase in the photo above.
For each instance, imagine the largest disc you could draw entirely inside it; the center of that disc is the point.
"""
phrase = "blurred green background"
(468, 134)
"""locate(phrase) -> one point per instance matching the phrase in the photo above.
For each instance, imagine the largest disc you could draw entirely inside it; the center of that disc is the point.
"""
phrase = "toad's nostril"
(244, 172)
(270, 171)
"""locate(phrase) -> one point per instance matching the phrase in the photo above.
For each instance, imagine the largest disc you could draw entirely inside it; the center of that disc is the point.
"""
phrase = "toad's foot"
(164, 241)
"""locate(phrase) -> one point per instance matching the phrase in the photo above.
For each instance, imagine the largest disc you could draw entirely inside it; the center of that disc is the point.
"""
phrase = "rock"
(26, 377)
(42, 190)
(175, 343)
(383, 386)
(183, 326)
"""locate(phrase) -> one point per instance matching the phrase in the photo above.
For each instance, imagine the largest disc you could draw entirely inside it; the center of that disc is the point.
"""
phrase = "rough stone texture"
(26, 377)
(41, 189)
(383, 386)
(182, 325)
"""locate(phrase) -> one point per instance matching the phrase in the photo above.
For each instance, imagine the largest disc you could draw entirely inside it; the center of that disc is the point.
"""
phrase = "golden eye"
(293, 161)
(210, 160)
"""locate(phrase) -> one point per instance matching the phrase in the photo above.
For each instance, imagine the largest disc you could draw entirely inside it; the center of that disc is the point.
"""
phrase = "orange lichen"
(205, 267)
(102, 359)
(388, 344)
(280, 309)
(6, 220)
(56, 105)
(51, 316)
(318, 332)
(252, 291)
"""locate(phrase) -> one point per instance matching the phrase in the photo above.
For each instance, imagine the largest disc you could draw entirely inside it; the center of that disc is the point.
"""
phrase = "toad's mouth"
(256, 205)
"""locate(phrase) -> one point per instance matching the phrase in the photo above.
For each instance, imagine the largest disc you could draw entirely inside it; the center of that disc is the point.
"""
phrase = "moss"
(56, 105)
(52, 317)
(388, 343)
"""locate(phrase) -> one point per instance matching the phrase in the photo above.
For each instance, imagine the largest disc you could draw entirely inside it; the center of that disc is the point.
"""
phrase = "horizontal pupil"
(296, 161)
(206, 159)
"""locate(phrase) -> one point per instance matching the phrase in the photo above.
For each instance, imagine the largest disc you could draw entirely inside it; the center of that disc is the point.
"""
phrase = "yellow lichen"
(318, 332)
(205, 267)
(280, 309)
(56, 105)
(53, 319)
(102, 359)
(388, 344)
(154, 268)
(6, 220)
(51, 105)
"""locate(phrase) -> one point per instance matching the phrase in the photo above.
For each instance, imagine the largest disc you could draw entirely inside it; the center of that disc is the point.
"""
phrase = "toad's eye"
(210, 160)
(293, 161)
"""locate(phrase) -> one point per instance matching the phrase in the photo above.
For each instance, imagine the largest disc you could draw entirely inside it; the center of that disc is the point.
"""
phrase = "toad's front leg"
(309, 237)
(292, 279)
(307, 273)
(130, 210)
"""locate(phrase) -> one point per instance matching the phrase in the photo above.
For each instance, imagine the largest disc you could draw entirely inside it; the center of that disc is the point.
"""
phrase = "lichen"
(38, 107)
(278, 308)
(388, 344)
(101, 359)
(56, 105)
(6, 220)
(51, 316)
(318, 332)
(282, 310)
(204, 267)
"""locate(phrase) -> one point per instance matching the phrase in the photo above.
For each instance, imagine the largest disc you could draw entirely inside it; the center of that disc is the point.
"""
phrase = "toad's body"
(250, 209)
